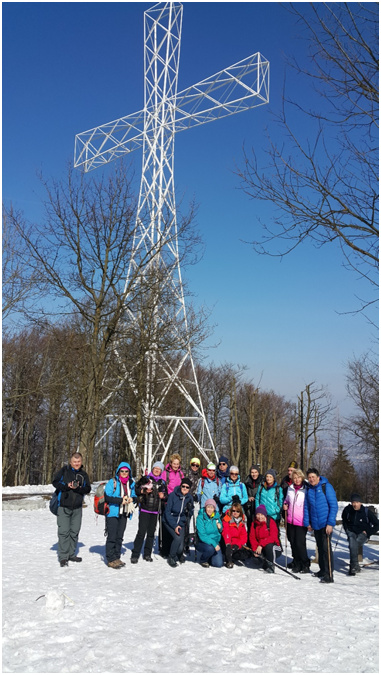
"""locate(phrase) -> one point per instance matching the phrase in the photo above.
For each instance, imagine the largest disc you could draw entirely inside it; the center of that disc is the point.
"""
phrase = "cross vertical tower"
(168, 361)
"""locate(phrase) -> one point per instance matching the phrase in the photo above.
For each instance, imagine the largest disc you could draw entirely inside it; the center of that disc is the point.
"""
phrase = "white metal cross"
(239, 87)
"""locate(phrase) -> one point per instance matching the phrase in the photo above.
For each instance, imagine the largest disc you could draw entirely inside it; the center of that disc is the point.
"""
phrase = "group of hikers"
(227, 520)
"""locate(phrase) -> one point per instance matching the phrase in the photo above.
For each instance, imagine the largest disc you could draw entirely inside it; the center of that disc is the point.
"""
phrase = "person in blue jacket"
(209, 531)
(320, 510)
(178, 511)
(233, 488)
(119, 495)
(209, 485)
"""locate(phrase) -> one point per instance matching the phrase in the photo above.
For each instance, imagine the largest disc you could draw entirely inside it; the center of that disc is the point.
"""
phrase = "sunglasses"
(224, 463)
(185, 487)
(233, 473)
(195, 464)
(121, 471)
(235, 511)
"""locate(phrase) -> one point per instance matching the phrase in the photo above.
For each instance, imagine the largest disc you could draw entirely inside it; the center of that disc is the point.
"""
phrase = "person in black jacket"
(288, 480)
(178, 511)
(252, 483)
(71, 484)
(359, 524)
(151, 491)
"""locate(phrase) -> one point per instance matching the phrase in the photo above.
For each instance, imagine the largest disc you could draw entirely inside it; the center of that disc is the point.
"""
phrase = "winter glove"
(236, 499)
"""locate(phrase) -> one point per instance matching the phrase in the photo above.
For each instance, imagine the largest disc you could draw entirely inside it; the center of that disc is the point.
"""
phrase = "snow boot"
(148, 558)
(114, 564)
(64, 563)
(172, 562)
(229, 565)
(326, 580)
(75, 558)
(134, 560)
(352, 572)
(318, 574)
(270, 569)
(205, 564)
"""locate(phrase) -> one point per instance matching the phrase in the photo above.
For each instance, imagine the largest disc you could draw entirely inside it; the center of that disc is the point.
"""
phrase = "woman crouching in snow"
(234, 535)
(264, 538)
(209, 528)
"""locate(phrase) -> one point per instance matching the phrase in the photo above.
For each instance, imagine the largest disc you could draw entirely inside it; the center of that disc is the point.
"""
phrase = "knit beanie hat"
(223, 459)
(186, 481)
(235, 469)
(272, 473)
(256, 466)
(355, 497)
(293, 465)
(261, 509)
(195, 460)
(158, 465)
(211, 466)
(211, 502)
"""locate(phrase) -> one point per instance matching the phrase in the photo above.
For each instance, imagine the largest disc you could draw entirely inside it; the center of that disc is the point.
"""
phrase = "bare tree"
(325, 188)
(313, 416)
(363, 388)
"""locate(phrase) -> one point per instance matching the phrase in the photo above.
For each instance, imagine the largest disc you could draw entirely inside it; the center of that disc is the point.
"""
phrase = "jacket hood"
(120, 466)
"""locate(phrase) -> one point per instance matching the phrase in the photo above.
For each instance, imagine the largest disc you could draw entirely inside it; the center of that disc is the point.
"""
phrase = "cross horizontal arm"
(240, 87)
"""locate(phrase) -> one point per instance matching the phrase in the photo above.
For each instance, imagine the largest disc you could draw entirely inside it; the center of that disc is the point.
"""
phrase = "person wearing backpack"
(320, 511)
(71, 484)
(233, 490)
(359, 523)
(120, 496)
(264, 538)
(252, 482)
(151, 491)
(270, 495)
(209, 485)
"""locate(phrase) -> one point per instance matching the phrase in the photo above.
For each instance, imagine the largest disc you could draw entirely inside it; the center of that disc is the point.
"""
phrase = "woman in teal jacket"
(119, 495)
(270, 495)
(209, 530)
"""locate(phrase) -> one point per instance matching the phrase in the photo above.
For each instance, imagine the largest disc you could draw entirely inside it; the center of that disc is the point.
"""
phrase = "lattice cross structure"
(235, 89)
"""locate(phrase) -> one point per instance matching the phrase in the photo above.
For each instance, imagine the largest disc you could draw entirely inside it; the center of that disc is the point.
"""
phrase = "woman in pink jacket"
(173, 473)
(296, 533)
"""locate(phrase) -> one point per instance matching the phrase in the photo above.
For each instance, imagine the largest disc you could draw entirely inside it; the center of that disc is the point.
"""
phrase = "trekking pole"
(329, 557)
(276, 564)
(337, 541)
(160, 528)
(194, 538)
(374, 562)
(285, 533)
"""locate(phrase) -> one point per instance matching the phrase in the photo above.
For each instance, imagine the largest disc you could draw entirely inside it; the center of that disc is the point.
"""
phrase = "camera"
(75, 483)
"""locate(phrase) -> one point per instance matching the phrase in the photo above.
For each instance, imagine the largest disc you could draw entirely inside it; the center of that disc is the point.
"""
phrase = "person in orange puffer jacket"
(264, 538)
(234, 535)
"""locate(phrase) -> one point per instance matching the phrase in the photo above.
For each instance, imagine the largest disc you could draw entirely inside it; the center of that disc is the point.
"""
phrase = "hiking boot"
(64, 563)
(270, 569)
(318, 574)
(182, 559)
(290, 564)
(122, 564)
(357, 568)
(296, 568)
(352, 572)
(75, 558)
(305, 569)
(205, 564)
(172, 562)
(134, 560)
(148, 558)
(114, 564)
(229, 565)
(326, 580)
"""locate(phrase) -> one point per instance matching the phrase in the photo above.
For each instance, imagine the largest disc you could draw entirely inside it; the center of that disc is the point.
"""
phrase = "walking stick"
(276, 564)
(285, 532)
(337, 541)
(329, 557)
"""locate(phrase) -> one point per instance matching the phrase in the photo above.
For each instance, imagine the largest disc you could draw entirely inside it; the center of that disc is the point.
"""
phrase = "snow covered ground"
(152, 618)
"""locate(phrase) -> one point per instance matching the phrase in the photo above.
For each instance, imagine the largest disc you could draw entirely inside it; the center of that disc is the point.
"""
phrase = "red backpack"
(100, 505)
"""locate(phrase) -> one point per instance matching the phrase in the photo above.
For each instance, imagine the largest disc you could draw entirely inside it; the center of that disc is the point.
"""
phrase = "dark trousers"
(209, 554)
(115, 531)
(177, 543)
(165, 538)
(234, 553)
(322, 542)
(296, 535)
(69, 523)
(270, 552)
(147, 526)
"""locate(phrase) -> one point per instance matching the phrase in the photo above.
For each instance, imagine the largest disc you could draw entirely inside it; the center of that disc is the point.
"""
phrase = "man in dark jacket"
(223, 469)
(177, 512)
(359, 524)
(287, 480)
(71, 484)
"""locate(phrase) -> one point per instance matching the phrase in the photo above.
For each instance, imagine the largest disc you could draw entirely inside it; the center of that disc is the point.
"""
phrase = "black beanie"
(355, 497)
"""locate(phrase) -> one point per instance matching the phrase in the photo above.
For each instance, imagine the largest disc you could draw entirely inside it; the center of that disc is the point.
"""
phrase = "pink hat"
(211, 502)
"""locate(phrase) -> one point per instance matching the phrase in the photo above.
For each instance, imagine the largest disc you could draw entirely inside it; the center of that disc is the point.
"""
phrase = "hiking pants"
(297, 537)
(322, 542)
(354, 541)
(177, 545)
(69, 523)
(115, 531)
(147, 526)
(234, 553)
(270, 553)
(209, 554)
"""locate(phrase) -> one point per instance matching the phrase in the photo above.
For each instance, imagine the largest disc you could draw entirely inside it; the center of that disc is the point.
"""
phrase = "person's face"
(254, 474)
(194, 467)
(223, 466)
(269, 479)
(235, 513)
(261, 517)
(211, 473)
(290, 470)
(356, 506)
(76, 463)
(124, 472)
(175, 464)
(185, 489)
(313, 479)
(209, 508)
(298, 480)
(234, 476)
(156, 471)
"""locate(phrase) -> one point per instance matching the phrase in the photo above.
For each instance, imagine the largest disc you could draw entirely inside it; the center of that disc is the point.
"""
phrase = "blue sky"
(70, 66)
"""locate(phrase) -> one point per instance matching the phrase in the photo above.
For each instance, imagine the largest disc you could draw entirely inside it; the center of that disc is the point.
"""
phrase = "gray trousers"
(69, 523)
(354, 541)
